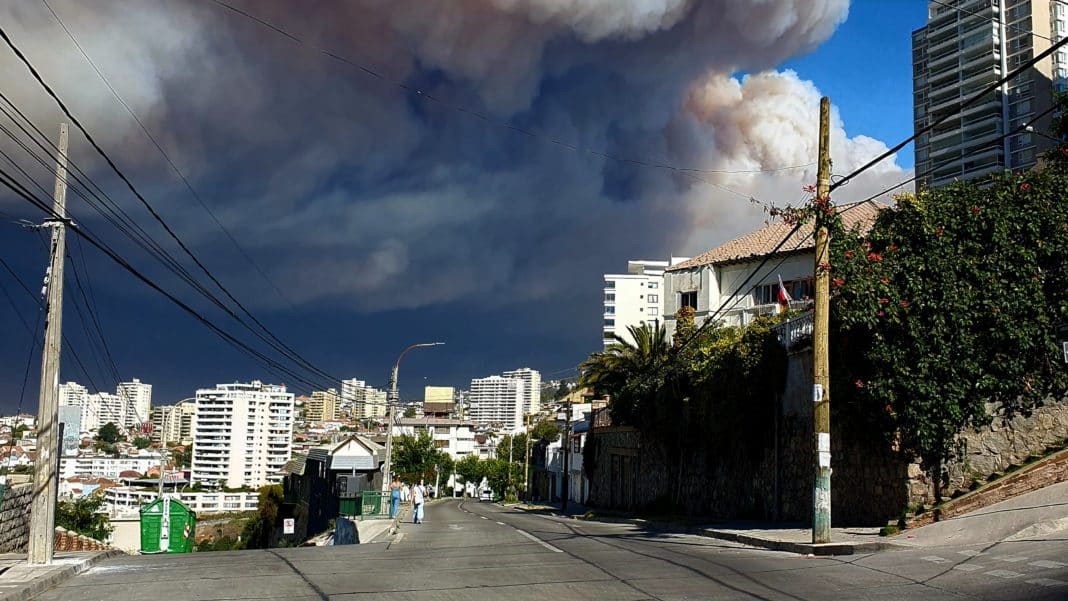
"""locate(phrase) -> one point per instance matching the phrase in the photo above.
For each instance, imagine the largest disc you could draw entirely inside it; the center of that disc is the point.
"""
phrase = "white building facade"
(242, 434)
(531, 379)
(137, 397)
(497, 402)
(634, 298)
(118, 498)
(361, 400)
(107, 467)
(455, 437)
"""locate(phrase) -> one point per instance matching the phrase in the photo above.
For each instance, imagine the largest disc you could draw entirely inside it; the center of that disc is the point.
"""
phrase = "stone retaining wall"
(15, 518)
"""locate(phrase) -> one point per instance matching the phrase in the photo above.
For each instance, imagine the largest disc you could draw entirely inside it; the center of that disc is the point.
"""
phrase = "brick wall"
(15, 518)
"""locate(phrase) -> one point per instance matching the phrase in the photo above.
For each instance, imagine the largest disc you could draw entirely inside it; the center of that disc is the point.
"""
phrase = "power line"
(166, 156)
(994, 19)
(975, 98)
(282, 348)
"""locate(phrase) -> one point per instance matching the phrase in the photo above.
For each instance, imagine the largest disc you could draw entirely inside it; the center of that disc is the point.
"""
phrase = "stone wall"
(994, 448)
(15, 518)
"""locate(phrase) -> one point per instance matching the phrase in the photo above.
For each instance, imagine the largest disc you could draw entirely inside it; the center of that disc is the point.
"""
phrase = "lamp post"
(391, 400)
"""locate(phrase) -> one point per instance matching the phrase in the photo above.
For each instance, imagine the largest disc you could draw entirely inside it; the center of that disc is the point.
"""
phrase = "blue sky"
(866, 69)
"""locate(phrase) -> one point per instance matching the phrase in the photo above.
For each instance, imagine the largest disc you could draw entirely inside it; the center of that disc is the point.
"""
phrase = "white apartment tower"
(498, 402)
(242, 434)
(138, 398)
(173, 423)
(966, 46)
(73, 394)
(365, 402)
(531, 388)
(634, 298)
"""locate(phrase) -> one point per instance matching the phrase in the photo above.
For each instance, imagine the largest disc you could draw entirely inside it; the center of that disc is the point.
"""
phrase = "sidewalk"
(20, 581)
(769, 535)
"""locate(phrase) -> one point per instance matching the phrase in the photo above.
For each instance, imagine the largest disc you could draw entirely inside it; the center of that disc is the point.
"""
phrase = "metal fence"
(369, 504)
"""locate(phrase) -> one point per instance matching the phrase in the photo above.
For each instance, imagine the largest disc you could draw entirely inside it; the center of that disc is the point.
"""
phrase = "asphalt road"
(478, 551)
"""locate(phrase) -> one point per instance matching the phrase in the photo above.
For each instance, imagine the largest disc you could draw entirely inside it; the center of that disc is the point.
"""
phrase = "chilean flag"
(783, 296)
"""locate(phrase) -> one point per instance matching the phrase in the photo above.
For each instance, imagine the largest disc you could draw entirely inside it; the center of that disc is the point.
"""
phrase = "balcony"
(796, 331)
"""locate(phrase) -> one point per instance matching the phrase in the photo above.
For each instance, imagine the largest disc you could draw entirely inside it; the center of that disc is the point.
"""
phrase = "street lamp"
(391, 400)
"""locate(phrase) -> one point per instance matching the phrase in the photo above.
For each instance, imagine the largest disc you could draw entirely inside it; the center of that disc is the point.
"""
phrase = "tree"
(561, 391)
(409, 412)
(109, 433)
(80, 515)
(19, 431)
(949, 303)
(517, 444)
(545, 430)
(261, 531)
(471, 469)
(628, 372)
(415, 458)
(141, 442)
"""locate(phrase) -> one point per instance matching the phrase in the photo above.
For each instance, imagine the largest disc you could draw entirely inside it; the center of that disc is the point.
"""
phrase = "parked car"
(486, 494)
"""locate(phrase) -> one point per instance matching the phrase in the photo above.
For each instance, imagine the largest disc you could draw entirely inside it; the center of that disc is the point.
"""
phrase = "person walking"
(394, 497)
(418, 497)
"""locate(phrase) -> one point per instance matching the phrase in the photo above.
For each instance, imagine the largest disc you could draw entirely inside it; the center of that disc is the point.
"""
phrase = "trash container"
(167, 526)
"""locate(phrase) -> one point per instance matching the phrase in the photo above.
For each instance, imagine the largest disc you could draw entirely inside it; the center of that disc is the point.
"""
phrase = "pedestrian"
(394, 497)
(418, 496)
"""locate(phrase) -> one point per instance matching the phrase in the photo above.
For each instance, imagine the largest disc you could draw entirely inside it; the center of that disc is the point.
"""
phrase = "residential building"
(137, 397)
(321, 406)
(109, 408)
(634, 298)
(129, 497)
(242, 434)
(531, 379)
(966, 46)
(72, 394)
(724, 284)
(439, 401)
(363, 401)
(70, 416)
(174, 423)
(454, 436)
(107, 467)
(498, 402)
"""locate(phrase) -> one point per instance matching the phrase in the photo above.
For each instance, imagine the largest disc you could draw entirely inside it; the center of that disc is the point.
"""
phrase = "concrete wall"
(15, 518)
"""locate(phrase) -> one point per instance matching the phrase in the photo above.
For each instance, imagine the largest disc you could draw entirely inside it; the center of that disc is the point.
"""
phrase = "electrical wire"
(174, 167)
(972, 100)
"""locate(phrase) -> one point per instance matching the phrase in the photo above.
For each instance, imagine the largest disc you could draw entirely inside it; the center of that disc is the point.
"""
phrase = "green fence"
(370, 504)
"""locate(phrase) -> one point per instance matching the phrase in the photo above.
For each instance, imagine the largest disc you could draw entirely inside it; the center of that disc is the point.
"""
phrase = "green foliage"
(19, 431)
(545, 430)
(517, 444)
(185, 458)
(626, 372)
(261, 531)
(949, 303)
(141, 442)
(415, 458)
(504, 477)
(109, 433)
(409, 412)
(471, 468)
(80, 515)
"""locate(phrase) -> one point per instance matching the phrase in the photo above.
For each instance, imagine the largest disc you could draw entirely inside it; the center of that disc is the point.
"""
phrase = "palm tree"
(625, 371)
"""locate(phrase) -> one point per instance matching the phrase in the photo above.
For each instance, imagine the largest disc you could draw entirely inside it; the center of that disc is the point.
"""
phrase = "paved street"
(482, 551)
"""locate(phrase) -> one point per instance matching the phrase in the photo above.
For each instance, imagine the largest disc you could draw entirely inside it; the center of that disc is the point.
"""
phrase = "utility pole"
(821, 377)
(566, 476)
(45, 470)
(526, 461)
(391, 400)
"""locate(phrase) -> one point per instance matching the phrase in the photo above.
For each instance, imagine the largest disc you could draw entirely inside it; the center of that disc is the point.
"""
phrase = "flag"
(783, 296)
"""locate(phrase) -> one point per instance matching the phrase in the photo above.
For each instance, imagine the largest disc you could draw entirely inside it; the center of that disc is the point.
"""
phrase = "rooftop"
(763, 241)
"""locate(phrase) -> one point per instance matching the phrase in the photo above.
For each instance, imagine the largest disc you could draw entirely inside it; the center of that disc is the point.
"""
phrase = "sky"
(392, 173)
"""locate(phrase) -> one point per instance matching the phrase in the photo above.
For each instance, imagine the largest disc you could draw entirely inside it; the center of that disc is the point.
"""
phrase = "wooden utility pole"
(821, 377)
(43, 505)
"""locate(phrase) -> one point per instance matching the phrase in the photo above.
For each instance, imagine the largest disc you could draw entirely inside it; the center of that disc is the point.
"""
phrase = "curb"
(817, 549)
(56, 577)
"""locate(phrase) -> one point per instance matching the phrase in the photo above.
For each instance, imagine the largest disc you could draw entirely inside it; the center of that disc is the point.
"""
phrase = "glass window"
(653, 298)
(654, 284)
(688, 299)
(610, 297)
(610, 284)
(609, 322)
(610, 309)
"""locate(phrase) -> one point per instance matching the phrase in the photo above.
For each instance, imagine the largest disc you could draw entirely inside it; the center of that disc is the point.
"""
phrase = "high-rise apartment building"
(321, 406)
(531, 388)
(966, 46)
(138, 398)
(634, 298)
(497, 402)
(363, 401)
(173, 423)
(72, 394)
(242, 434)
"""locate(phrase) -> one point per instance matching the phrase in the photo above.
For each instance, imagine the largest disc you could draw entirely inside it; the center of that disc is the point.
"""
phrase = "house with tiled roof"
(725, 284)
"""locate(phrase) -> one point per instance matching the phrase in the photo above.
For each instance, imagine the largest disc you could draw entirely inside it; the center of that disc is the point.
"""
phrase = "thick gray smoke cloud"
(354, 194)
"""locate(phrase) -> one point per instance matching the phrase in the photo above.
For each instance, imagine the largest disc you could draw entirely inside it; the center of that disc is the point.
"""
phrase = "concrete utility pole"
(526, 460)
(391, 400)
(45, 469)
(821, 377)
(565, 479)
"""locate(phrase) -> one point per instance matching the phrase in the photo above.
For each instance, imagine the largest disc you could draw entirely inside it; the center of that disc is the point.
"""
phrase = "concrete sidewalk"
(20, 581)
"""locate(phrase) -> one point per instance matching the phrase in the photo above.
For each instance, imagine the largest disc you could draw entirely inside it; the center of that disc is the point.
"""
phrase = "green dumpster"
(167, 526)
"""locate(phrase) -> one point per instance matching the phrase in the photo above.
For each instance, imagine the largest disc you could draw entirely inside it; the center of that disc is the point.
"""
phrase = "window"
(653, 298)
(610, 309)
(609, 297)
(609, 322)
(688, 299)
(654, 284)
(610, 284)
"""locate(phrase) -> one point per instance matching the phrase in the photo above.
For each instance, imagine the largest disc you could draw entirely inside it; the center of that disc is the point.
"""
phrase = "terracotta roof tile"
(764, 240)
